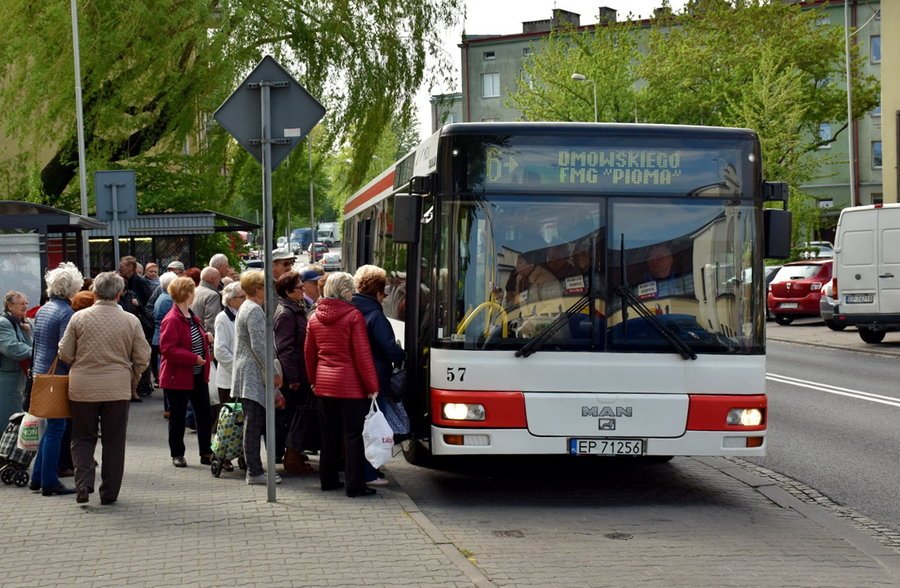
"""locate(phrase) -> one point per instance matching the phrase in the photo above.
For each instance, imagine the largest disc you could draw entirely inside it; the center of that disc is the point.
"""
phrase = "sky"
(505, 17)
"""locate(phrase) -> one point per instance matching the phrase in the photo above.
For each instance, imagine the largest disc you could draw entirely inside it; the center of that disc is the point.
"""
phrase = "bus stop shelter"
(34, 237)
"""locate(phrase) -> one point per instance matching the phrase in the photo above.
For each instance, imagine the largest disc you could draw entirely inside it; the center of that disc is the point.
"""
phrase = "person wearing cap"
(176, 267)
(310, 286)
(282, 261)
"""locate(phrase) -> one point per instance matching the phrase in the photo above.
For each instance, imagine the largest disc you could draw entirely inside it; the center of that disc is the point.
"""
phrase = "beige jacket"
(107, 351)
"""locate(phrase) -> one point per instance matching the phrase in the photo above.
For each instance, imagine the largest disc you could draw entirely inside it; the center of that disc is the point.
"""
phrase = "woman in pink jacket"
(341, 371)
(184, 371)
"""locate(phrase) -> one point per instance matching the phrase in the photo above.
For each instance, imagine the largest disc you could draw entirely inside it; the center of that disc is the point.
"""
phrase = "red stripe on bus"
(502, 410)
(709, 412)
(383, 184)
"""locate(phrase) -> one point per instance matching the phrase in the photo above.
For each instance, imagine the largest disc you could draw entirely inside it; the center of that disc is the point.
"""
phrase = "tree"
(152, 72)
(606, 56)
(766, 65)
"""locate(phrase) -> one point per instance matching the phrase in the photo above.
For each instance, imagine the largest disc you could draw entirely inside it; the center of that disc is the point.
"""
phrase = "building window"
(526, 78)
(489, 55)
(876, 111)
(876, 154)
(877, 198)
(825, 135)
(875, 48)
(451, 118)
(489, 120)
(490, 85)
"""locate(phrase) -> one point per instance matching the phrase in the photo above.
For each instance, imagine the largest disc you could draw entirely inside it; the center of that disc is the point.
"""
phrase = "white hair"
(218, 259)
(230, 292)
(64, 281)
(339, 285)
(166, 279)
(108, 285)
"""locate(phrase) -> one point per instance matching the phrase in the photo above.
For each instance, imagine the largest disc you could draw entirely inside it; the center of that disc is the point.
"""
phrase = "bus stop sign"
(293, 111)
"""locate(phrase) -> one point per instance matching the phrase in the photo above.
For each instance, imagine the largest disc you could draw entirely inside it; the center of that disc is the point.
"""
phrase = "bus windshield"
(514, 264)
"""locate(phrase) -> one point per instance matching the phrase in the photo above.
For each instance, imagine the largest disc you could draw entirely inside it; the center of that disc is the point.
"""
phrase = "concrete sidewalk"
(182, 527)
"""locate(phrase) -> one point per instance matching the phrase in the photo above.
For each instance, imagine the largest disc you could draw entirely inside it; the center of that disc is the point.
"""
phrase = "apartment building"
(492, 64)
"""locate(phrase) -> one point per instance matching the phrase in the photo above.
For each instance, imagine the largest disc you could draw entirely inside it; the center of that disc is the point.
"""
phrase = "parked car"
(818, 250)
(796, 289)
(331, 262)
(826, 307)
(316, 251)
(771, 270)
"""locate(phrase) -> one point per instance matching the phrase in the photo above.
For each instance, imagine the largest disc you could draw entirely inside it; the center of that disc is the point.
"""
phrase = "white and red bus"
(577, 288)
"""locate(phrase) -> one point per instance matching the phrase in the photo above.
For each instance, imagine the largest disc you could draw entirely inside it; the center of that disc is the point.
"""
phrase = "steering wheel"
(488, 307)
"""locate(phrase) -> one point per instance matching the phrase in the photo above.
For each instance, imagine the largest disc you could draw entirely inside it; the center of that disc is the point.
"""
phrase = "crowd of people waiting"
(199, 334)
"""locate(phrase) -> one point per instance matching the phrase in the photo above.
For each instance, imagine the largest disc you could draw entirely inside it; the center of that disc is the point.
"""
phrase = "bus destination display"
(576, 168)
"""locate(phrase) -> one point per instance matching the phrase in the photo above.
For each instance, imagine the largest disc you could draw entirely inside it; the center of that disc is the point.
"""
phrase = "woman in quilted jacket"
(341, 370)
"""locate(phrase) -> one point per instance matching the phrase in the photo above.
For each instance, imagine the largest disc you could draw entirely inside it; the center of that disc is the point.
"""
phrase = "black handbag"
(398, 384)
(305, 433)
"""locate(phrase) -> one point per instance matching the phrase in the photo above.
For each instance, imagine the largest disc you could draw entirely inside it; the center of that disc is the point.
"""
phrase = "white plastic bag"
(30, 432)
(211, 385)
(378, 437)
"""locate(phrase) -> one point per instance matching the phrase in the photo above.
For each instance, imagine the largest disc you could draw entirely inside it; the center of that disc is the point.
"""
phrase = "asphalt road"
(834, 417)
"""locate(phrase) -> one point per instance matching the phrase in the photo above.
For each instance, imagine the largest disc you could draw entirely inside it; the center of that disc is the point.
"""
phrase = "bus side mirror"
(407, 214)
(777, 232)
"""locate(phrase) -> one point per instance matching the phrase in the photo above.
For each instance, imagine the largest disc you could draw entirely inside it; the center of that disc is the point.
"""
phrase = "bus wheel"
(783, 320)
(417, 454)
(834, 326)
(871, 335)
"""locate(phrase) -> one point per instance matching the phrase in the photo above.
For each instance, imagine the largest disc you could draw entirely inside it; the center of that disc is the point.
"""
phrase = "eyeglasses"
(241, 296)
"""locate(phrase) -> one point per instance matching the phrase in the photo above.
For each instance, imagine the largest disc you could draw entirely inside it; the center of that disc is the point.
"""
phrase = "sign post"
(285, 117)
(116, 199)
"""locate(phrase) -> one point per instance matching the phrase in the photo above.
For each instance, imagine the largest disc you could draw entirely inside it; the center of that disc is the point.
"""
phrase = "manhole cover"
(619, 536)
(511, 533)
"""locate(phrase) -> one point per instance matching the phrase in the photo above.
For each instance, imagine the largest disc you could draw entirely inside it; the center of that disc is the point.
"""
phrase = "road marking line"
(858, 394)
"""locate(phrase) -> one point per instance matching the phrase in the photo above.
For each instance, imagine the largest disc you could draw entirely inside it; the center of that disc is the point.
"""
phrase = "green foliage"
(209, 245)
(760, 64)
(606, 56)
(153, 72)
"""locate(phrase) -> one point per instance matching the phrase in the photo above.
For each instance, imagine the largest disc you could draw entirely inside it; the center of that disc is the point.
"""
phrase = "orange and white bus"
(582, 289)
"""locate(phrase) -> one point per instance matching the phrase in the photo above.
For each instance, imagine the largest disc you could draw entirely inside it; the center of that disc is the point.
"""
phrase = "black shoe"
(34, 487)
(179, 462)
(107, 501)
(58, 490)
(136, 399)
(81, 496)
(334, 486)
(365, 492)
(206, 459)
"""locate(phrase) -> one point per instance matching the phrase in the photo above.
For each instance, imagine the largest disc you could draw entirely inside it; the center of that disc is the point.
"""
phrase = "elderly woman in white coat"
(223, 347)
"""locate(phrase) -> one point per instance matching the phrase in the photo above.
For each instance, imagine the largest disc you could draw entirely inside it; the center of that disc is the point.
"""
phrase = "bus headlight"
(745, 417)
(463, 412)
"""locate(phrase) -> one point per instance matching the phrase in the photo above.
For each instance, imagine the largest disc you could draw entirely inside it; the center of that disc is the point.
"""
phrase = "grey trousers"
(113, 418)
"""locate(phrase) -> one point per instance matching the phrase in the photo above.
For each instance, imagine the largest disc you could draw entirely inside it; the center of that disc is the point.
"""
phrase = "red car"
(316, 251)
(796, 289)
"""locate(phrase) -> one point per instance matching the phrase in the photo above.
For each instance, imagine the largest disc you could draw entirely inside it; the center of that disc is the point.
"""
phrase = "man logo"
(606, 411)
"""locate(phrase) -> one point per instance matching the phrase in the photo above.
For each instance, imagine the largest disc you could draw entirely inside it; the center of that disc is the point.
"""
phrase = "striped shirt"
(196, 344)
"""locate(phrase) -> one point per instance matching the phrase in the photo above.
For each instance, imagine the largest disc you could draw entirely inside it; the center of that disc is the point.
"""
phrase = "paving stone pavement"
(694, 522)
(183, 527)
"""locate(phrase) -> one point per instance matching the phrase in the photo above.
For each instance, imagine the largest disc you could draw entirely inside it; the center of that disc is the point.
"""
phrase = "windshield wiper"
(538, 341)
(667, 333)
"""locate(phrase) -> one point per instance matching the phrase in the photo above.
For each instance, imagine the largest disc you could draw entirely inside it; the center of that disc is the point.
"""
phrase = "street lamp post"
(581, 78)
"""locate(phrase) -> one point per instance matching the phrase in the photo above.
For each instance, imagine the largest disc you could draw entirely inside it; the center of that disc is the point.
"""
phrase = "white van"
(867, 270)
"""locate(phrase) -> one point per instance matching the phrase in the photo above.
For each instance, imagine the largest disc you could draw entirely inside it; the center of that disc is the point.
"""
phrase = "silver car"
(826, 307)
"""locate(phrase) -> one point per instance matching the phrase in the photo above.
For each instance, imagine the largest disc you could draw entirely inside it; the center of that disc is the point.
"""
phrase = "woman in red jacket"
(184, 371)
(340, 369)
